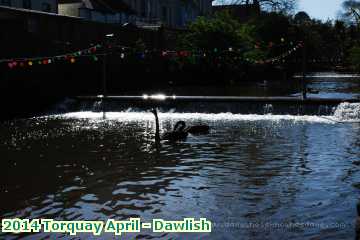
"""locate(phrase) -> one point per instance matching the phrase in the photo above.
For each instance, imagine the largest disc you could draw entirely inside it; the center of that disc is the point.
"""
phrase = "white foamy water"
(329, 75)
(348, 112)
(139, 116)
(345, 112)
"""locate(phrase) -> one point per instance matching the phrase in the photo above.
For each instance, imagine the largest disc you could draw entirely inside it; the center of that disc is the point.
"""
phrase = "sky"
(320, 9)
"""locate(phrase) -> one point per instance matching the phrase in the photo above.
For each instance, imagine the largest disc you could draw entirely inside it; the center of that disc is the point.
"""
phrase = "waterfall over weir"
(348, 112)
(343, 112)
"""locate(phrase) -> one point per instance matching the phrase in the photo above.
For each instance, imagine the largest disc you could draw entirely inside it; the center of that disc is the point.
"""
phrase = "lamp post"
(303, 27)
(304, 60)
(108, 37)
(104, 74)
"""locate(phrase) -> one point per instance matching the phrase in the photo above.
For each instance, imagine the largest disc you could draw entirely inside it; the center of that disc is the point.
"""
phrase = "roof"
(108, 6)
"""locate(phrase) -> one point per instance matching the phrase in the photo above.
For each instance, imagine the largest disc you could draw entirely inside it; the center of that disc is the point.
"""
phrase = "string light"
(46, 60)
(176, 54)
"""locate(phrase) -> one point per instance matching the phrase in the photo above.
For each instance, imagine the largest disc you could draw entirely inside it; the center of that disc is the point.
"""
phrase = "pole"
(104, 77)
(304, 88)
(104, 74)
(104, 85)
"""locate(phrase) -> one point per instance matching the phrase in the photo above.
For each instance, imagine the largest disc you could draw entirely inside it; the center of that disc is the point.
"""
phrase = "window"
(6, 2)
(46, 7)
(27, 4)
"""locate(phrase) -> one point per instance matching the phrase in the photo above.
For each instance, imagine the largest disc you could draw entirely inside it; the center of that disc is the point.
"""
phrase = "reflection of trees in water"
(241, 172)
(257, 158)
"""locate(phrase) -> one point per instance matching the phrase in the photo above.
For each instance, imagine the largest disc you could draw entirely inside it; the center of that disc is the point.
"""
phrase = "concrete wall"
(49, 34)
(35, 4)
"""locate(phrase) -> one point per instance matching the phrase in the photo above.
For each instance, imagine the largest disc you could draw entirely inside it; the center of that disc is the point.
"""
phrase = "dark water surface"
(253, 176)
(250, 169)
(328, 85)
(333, 85)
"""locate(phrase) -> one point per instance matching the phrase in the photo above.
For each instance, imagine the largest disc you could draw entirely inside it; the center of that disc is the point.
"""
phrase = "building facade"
(50, 6)
(106, 11)
(171, 13)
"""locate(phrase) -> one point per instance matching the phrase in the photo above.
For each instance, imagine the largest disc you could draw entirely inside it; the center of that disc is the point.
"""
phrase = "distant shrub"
(354, 58)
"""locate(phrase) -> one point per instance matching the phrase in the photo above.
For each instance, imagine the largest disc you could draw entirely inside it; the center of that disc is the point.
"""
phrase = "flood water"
(254, 176)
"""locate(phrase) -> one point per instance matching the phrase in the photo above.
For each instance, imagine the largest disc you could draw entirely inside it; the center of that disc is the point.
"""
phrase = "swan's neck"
(180, 126)
(157, 129)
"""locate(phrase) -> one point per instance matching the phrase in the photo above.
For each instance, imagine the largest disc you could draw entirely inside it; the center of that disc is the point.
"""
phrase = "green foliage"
(354, 58)
(220, 32)
(255, 54)
(140, 45)
(302, 18)
(327, 41)
(272, 34)
(271, 27)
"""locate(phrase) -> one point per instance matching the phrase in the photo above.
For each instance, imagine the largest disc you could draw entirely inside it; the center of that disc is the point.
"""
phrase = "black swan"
(176, 135)
(198, 129)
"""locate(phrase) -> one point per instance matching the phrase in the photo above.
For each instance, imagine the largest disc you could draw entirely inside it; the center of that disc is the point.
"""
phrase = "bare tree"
(351, 11)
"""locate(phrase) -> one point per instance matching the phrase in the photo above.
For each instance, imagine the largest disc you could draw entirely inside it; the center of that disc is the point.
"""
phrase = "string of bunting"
(249, 60)
(280, 57)
(268, 45)
(71, 57)
(92, 52)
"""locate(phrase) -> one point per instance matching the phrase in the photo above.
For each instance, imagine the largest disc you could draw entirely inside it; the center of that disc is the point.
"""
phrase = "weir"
(212, 104)
(174, 98)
